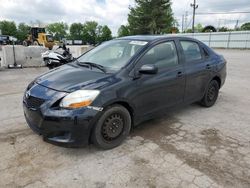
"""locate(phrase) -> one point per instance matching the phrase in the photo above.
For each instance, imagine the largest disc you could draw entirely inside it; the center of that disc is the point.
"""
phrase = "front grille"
(34, 102)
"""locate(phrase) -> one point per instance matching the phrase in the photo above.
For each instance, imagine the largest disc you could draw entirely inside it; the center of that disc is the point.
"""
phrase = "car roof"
(154, 37)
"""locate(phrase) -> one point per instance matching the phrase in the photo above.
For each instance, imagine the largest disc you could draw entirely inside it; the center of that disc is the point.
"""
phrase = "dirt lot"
(189, 147)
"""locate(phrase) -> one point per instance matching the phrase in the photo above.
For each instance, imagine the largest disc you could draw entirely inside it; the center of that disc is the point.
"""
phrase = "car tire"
(35, 43)
(112, 128)
(211, 94)
(46, 62)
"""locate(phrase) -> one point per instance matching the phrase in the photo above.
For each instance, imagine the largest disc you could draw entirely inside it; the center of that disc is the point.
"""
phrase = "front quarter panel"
(120, 90)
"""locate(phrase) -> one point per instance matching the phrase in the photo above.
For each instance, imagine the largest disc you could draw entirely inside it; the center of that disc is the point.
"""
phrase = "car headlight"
(79, 99)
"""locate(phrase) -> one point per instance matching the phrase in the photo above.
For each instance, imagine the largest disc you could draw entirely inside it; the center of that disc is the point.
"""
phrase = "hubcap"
(211, 93)
(112, 127)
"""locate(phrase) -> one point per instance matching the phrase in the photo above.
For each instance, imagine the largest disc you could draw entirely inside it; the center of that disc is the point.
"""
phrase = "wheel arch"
(124, 104)
(127, 106)
(37, 42)
(218, 79)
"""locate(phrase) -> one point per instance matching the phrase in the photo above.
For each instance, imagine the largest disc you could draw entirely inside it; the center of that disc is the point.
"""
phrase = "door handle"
(179, 74)
(208, 66)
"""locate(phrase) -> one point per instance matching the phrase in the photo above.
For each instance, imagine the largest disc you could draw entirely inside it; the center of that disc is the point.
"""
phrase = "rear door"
(166, 88)
(197, 68)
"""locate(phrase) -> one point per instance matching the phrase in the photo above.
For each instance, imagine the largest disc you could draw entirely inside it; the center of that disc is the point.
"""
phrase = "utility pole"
(236, 25)
(182, 24)
(185, 20)
(194, 6)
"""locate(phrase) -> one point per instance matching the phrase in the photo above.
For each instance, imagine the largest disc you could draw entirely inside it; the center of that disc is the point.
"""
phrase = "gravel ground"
(188, 147)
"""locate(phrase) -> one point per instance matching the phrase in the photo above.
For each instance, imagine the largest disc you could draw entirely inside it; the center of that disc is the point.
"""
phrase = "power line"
(240, 12)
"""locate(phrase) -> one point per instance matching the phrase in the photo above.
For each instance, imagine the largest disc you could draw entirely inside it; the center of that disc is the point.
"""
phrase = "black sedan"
(107, 91)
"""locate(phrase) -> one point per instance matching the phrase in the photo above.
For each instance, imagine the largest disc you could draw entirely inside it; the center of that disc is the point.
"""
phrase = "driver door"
(155, 92)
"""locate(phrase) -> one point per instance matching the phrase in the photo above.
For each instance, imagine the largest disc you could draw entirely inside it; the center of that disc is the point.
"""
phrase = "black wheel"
(211, 94)
(112, 127)
(46, 62)
(35, 43)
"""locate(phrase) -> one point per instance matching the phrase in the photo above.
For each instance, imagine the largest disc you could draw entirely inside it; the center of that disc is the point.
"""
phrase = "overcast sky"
(114, 12)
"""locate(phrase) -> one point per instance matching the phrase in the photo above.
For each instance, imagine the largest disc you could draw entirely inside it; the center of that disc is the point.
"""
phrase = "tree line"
(90, 32)
(200, 28)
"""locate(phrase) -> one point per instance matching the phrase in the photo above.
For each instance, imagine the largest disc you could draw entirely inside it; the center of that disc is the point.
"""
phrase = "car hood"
(72, 77)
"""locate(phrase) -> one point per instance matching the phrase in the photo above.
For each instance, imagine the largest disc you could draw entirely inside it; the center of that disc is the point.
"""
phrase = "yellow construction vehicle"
(38, 36)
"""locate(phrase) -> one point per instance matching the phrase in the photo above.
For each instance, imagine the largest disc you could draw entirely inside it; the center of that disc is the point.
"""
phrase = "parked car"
(100, 96)
(4, 40)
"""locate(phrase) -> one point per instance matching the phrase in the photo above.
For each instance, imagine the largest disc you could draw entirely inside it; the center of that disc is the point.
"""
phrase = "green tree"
(223, 29)
(90, 31)
(76, 31)
(198, 28)
(105, 34)
(58, 30)
(151, 17)
(245, 26)
(8, 28)
(189, 31)
(99, 34)
(102, 33)
(123, 31)
(22, 31)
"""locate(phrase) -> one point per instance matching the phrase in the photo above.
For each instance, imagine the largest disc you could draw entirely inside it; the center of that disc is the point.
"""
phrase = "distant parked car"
(100, 96)
(4, 40)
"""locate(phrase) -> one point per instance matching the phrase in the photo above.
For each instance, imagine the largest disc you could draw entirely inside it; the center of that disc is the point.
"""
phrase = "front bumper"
(68, 128)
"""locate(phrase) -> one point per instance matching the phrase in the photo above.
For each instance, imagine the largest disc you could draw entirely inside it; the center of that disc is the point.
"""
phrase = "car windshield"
(112, 55)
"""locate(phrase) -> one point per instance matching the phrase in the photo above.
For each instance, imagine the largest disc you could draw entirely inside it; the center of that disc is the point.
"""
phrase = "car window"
(134, 48)
(113, 54)
(191, 51)
(162, 55)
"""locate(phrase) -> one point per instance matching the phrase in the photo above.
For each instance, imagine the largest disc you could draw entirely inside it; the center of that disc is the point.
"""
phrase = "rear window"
(191, 51)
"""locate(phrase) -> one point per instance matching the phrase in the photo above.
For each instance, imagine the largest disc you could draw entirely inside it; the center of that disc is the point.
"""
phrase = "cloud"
(30, 10)
(114, 12)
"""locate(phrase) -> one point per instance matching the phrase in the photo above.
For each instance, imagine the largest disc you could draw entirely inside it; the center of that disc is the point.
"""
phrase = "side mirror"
(148, 69)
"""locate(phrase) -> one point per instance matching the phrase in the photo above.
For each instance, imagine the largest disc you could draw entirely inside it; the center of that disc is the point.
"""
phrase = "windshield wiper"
(90, 64)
